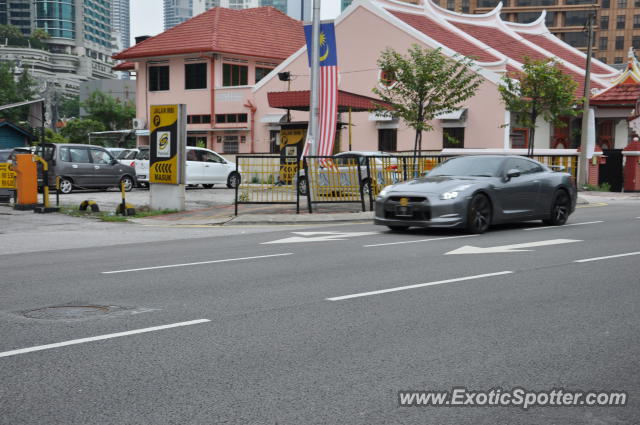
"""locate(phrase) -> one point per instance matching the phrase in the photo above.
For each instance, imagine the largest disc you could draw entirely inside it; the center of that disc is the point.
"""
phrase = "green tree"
(12, 91)
(69, 107)
(423, 84)
(10, 31)
(540, 90)
(40, 34)
(77, 130)
(113, 113)
(51, 136)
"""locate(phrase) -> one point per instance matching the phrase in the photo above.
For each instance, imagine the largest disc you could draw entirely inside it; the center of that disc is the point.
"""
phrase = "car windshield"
(468, 166)
(127, 154)
(4, 155)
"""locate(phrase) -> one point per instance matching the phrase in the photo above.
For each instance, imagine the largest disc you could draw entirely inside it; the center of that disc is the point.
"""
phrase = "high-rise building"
(17, 13)
(176, 12)
(617, 23)
(121, 22)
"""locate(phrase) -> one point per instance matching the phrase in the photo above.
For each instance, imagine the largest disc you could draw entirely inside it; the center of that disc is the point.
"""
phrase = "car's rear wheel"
(233, 180)
(207, 186)
(479, 215)
(128, 183)
(66, 185)
(302, 186)
(398, 228)
(560, 209)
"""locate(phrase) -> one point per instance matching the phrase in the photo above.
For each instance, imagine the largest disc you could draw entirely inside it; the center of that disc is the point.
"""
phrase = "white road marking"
(320, 237)
(100, 337)
(419, 285)
(560, 227)
(198, 263)
(418, 240)
(586, 260)
(468, 249)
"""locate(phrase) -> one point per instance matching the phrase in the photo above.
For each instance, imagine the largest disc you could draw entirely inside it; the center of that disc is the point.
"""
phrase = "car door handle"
(74, 166)
(97, 167)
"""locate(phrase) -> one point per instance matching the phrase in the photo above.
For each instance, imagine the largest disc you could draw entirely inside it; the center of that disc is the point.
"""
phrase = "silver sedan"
(474, 192)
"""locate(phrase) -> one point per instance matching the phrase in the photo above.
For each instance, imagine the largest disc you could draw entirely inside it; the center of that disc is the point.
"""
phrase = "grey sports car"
(474, 192)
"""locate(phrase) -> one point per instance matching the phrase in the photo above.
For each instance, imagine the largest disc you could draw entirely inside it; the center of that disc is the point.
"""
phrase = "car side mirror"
(512, 173)
(114, 162)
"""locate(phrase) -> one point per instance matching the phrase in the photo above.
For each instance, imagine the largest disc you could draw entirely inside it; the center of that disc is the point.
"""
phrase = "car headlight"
(452, 194)
(449, 195)
(384, 192)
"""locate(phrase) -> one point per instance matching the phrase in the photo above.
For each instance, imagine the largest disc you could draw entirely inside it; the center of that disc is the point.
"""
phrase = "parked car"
(342, 160)
(474, 192)
(84, 166)
(127, 156)
(204, 167)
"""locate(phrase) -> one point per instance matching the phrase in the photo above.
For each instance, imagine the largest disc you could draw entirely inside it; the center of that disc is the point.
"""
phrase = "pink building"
(211, 63)
(223, 63)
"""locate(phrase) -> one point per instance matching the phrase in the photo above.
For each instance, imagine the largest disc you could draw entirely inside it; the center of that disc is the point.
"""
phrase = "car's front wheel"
(479, 215)
(233, 180)
(128, 183)
(560, 209)
(66, 185)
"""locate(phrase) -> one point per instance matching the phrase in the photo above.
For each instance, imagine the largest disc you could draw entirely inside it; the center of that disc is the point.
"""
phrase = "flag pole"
(314, 110)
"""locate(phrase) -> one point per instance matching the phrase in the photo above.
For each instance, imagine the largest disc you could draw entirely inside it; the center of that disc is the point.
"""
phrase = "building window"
(519, 138)
(262, 72)
(576, 18)
(636, 21)
(198, 119)
(604, 22)
(604, 43)
(606, 4)
(158, 78)
(466, 5)
(576, 39)
(603, 59)
(550, 19)
(230, 118)
(489, 3)
(274, 141)
(234, 75)
(536, 2)
(620, 21)
(388, 139)
(195, 76)
(622, 4)
(620, 42)
(617, 59)
(230, 144)
(527, 17)
(453, 138)
(635, 42)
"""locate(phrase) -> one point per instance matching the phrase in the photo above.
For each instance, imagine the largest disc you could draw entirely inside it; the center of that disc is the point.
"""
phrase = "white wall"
(621, 134)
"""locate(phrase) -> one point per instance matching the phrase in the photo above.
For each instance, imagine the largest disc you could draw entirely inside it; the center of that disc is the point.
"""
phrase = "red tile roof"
(565, 53)
(263, 32)
(445, 36)
(512, 47)
(124, 66)
(622, 94)
(299, 101)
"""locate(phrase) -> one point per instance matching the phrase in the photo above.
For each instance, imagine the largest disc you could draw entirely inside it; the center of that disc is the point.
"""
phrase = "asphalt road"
(294, 332)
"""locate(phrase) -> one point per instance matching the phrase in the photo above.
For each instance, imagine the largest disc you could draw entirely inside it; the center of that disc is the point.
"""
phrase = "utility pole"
(583, 171)
(314, 110)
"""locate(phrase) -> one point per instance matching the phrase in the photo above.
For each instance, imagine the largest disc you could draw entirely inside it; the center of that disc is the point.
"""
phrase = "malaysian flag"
(328, 95)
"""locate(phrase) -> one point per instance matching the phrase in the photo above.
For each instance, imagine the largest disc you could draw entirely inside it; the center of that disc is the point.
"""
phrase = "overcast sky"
(147, 18)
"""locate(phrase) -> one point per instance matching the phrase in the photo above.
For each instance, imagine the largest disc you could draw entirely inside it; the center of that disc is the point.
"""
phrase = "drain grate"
(71, 312)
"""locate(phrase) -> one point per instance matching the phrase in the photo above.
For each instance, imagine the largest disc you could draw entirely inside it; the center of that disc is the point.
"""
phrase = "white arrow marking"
(322, 237)
(468, 249)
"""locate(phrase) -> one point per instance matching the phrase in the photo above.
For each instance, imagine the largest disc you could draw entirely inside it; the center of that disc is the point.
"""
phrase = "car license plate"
(403, 211)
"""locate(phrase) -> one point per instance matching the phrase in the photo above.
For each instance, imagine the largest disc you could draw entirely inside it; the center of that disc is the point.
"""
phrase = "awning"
(455, 115)
(299, 101)
(272, 118)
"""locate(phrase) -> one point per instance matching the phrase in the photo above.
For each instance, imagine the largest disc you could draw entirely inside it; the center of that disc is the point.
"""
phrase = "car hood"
(437, 184)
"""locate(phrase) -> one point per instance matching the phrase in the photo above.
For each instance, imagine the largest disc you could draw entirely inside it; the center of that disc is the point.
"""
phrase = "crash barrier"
(331, 179)
(267, 179)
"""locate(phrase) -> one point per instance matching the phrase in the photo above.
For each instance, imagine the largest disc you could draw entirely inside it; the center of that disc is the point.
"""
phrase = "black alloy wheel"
(479, 216)
(560, 208)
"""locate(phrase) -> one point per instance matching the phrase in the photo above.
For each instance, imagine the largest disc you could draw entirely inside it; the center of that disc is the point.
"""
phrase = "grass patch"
(111, 216)
(604, 187)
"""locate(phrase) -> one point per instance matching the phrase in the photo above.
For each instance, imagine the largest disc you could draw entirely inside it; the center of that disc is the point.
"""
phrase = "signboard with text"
(7, 176)
(167, 126)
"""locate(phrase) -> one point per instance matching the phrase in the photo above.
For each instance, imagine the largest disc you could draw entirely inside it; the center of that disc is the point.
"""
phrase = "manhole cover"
(71, 312)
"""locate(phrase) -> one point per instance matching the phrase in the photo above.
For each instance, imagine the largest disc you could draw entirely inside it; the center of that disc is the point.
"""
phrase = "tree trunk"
(415, 152)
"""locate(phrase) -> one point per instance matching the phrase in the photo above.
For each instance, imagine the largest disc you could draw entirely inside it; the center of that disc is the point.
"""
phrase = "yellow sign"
(164, 152)
(7, 176)
(291, 137)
